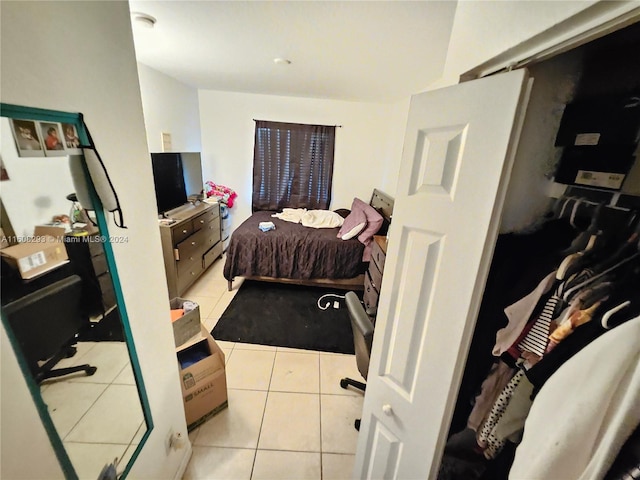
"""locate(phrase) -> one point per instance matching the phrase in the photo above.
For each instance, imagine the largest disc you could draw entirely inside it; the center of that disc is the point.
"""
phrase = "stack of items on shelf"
(201, 364)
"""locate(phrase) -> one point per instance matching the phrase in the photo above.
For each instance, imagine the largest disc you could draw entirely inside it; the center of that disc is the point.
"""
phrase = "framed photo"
(28, 140)
(71, 140)
(52, 139)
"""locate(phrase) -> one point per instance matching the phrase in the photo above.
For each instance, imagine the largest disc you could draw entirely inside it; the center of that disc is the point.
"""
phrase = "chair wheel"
(357, 424)
(344, 383)
(91, 370)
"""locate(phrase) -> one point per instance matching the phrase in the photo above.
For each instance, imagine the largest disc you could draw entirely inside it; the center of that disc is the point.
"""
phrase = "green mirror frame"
(21, 112)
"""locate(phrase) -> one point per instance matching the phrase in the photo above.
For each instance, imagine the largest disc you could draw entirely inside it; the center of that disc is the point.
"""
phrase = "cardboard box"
(203, 383)
(36, 255)
(187, 325)
(57, 231)
(605, 120)
(602, 167)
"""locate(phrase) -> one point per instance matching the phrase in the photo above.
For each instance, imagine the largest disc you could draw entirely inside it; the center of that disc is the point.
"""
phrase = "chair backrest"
(45, 320)
(362, 332)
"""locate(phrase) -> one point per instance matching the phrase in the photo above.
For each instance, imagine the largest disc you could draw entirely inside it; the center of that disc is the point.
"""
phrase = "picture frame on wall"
(27, 138)
(52, 138)
(71, 140)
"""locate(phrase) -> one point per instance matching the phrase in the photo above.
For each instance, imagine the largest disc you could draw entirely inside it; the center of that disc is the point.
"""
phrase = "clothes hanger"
(610, 313)
(566, 203)
(585, 243)
(599, 275)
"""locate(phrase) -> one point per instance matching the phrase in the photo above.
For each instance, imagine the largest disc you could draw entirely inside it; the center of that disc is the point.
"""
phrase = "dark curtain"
(292, 166)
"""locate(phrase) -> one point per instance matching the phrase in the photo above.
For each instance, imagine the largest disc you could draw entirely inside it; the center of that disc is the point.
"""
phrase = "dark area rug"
(286, 316)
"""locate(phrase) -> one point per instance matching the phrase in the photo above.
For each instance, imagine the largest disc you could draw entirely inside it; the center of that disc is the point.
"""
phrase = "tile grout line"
(264, 412)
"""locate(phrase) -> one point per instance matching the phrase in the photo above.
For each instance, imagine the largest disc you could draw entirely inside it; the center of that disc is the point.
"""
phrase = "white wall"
(169, 106)
(79, 56)
(484, 29)
(37, 187)
(367, 152)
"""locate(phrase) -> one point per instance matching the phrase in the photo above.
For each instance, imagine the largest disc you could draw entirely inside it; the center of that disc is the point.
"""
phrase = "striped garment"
(536, 339)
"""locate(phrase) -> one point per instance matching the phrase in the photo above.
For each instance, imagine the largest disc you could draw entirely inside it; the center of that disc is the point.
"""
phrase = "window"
(292, 165)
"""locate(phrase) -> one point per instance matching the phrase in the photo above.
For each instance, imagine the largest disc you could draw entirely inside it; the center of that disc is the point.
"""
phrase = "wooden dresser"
(88, 259)
(190, 245)
(373, 276)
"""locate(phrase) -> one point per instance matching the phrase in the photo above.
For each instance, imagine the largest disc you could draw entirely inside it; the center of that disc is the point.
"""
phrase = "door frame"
(596, 21)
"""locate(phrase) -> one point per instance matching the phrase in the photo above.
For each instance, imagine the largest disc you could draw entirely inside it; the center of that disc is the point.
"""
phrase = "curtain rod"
(292, 123)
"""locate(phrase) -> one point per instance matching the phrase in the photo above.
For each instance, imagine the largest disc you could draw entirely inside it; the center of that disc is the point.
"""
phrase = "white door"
(455, 165)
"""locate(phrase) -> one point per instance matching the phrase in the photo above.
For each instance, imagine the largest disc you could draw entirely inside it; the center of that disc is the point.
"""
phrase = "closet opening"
(542, 224)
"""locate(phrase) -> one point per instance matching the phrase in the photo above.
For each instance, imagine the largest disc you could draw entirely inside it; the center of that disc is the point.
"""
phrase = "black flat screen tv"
(176, 176)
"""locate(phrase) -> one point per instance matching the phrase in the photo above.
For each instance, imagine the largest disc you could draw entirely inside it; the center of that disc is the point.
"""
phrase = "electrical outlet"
(336, 304)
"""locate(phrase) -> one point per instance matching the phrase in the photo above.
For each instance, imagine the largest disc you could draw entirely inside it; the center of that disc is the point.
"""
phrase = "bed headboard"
(383, 203)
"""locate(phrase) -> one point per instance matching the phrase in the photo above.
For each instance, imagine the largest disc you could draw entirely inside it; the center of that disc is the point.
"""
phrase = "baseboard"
(185, 461)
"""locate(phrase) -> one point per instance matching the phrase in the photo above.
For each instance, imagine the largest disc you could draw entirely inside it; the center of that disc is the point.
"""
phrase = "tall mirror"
(62, 306)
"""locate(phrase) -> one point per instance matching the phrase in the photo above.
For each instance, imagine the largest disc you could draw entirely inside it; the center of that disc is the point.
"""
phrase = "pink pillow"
(374, 220)
(353, 224)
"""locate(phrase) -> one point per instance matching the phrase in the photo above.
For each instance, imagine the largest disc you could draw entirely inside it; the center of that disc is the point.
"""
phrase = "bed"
(296, 254)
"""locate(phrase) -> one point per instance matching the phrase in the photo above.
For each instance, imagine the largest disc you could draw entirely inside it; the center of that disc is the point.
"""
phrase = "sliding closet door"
(455, 166)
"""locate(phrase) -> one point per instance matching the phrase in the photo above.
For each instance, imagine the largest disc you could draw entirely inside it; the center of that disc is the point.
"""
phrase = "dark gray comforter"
(291, 251)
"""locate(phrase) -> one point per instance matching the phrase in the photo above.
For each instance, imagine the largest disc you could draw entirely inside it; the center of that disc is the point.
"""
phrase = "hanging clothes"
(579, 436)
(549, 323)
(532, 344)
(520, 261)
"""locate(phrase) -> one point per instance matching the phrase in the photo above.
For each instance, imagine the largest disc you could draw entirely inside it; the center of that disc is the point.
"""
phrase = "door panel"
(456, 159)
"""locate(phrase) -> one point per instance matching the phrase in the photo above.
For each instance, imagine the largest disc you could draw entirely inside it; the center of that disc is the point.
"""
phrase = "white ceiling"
(348, 50)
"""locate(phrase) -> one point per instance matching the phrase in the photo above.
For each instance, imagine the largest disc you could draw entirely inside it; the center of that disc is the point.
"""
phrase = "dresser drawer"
(95, 245)
(212, 232)
(189, 266)
(192, 247)
(211, 255)
(375, 276)
(181, 232)
(370, 296)
(108, 293)
(189, 273)
(100, 264)
(378, 256)
(207, 217)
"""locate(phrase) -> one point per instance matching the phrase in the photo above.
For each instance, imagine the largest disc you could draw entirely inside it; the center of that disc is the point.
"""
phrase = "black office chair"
(45, 324)
(362, 328)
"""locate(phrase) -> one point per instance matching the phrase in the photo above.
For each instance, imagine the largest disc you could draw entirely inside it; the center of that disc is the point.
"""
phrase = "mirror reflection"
(58, 299)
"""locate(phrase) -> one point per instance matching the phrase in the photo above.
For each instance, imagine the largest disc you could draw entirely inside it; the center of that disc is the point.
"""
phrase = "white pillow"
(354, 231)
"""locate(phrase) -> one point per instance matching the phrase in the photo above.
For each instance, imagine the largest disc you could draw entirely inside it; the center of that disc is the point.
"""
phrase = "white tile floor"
(98, 417)
(288, 418)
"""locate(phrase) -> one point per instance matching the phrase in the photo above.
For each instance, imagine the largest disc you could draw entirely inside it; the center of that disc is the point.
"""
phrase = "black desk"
(87, 260)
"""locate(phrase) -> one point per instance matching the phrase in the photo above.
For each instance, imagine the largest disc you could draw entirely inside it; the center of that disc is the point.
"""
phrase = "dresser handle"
(184, 231)
(193, 243)
(202, 221)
